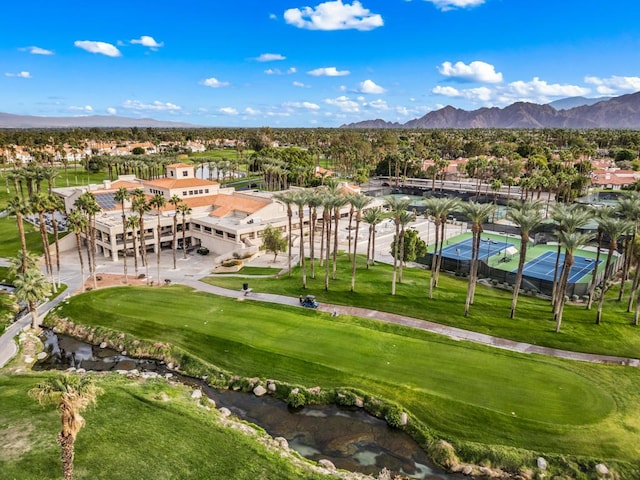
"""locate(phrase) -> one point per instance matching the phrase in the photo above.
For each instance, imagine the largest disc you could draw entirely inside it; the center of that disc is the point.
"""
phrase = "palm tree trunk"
(184, 241)
(595, 273)
(395, 259)
(327, 251)
(400, 269)
(434, 261)
(174, 244)
(516, 287)
(605, 279)
(634, 288)
(555, 276)
(371, 227)
(124, 247)
(312, 240)
(628, 255)
(303, 265)
(562, 289)
(322, 234)
(336, 219)
(443, 224)
(57, 244)
(355, 247)
(79, 247)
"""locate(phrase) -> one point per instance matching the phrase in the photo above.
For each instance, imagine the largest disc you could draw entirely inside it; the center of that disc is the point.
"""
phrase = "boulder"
(328, 464)
(103, 345)
(282, 443)
(359, 402)
(602, 469)
(259, 391)
(196, 394)
(28, 359)
(542, 463)
(81, 370)
(404, 418)
(42, 355)
(225, 412)
(271, 386)
(467, 470)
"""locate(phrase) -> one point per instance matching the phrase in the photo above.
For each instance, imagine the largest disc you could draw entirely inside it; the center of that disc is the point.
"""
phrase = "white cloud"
(273, 16)
(614, 85)
(86, 108)
(344, 104)
(251, 111)
(155, 106)
(292, 70)
(334, 15)
(474, 72)
(228, 110)
(18, 75)
(213, 82)
(272, 71)
(482, 94)
(540, 89)
(147, 41)
(379, 104)
(37, 51)
(328, 72)
(305, 105)
(368, 86)
(300, 84)
(445, 5)
(102, 48)
(270, 57)
(112, 111)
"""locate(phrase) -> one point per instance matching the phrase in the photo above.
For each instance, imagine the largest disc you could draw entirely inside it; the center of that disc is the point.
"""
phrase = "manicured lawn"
(131, 434)
(462, 391)
(489, 313)
(256, 271)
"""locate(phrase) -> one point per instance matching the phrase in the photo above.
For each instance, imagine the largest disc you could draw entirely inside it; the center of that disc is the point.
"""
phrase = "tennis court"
(543, 267)
(462, 250)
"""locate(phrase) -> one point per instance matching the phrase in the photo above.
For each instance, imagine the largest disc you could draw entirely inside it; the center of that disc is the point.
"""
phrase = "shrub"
(393, 416)
(296, 398)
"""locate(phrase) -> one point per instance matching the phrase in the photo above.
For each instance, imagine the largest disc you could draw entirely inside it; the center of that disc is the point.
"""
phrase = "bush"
(232, 263)
(296, 398)
(393, 416)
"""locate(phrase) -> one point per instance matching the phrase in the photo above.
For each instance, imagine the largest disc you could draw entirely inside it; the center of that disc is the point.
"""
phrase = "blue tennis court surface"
(462, 250)
(543, 267)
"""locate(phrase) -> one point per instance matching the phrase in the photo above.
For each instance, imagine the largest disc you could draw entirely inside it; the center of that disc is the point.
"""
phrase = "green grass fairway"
(130, 434)
(489, 314)
(463, 391)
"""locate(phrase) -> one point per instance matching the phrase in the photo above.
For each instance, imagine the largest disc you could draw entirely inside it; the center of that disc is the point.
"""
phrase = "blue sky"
(310, 63)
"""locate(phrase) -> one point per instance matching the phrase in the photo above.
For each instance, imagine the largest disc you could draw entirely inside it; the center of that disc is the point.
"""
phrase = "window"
(219, 233)
(207, 230)
(185, 173)
(184, 193)
(171, 173)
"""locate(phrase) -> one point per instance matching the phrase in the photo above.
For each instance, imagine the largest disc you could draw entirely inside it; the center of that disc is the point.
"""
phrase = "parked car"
(203, 250)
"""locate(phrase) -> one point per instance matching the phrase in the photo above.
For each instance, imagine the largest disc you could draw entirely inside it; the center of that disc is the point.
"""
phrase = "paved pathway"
(193, 268)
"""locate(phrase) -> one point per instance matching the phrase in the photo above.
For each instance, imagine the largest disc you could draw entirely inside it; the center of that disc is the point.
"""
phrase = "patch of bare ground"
(104, 280)
(15, 441)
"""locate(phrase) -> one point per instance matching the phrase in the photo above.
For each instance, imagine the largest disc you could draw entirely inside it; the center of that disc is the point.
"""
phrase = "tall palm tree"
(597, 214)
(396, 206)
(629, 208)
(477, 213)
(140, 205)
(287, 199)
(72, 394)
(358, 202)
(184, 210)
(405, 218)
(373, 217)
(20, 208)
(158, 201)
(56, 205)
(133, 222)
(299, 198)
(613, 228)
(175, 200)
(438, 209)
(40, 204)
(78, 224)
(526, 215)
(314, 200)
(32, 287)
(122, 196)
(571, 241)
(88, 204)
(339, 201)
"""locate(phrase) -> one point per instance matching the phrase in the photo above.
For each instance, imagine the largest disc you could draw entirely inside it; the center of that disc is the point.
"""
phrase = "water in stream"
(349, 437)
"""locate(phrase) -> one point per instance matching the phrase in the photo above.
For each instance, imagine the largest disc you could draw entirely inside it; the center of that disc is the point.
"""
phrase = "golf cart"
(309, 301)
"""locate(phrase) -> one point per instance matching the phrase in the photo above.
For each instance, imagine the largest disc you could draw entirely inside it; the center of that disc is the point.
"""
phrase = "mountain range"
(616, 112)
(8, 120)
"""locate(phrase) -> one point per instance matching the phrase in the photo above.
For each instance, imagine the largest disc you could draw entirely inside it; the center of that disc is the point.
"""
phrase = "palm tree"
(20, 208)
(358, 202)
(88, 204)
(598, 213)
(78, 223)
(339, 201)
(184, 210)
(327, 204)
(40, 204)
(314, 200)
(439, 209)
(613, 228)
(122, 196)
(629, 208)
(477, 213)
(571, 241)
(140, 205)
(373, 217)
(72, 394)
(405, 218)
(32, 287)
(56, 205)
(133, 222)
(526, 215)
(300, 199)
(158, 201)
(396, 206)
(175, 200)
(287, 199)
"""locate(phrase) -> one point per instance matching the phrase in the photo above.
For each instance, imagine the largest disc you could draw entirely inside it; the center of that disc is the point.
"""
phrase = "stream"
(347, 436)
